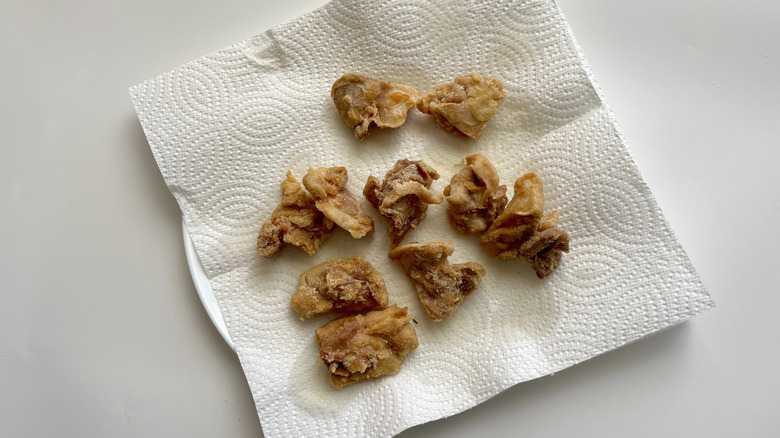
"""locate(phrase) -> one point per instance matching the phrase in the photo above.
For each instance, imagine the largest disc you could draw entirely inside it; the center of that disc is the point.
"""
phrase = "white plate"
(203, 286)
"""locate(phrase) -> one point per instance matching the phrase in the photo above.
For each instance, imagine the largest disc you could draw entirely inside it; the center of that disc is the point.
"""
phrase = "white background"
(102, 333)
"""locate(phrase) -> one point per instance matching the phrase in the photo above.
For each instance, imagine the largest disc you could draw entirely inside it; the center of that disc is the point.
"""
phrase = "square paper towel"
(225, 128)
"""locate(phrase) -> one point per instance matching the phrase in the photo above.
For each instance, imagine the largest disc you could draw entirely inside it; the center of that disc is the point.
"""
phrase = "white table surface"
(102, 333)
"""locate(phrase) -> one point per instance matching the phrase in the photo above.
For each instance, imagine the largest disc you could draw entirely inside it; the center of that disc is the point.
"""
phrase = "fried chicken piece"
(363, 102)
(550, 220)
(543, 250)
(518, 221)
(440, 286)
(366, 346)
(475, 199)
(465, 105)
(403, 196)
(295, 221)
(522, 232)
(339, 285)
(328, 187)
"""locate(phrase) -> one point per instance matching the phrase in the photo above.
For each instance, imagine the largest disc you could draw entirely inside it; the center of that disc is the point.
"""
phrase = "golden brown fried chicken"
(295, 221)
(363, 102)
(328, 187)
(543, 250)
(475, 199)
(522, 232)
(439, 285)
(403, 196)
(360, 347)
(518, 220)
(339, 285)
(465, 105)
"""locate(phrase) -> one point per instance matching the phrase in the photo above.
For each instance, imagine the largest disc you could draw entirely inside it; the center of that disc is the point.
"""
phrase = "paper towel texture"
(225, 128)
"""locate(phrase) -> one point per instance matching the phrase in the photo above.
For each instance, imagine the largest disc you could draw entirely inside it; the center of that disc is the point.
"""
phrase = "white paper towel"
(225, 128)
